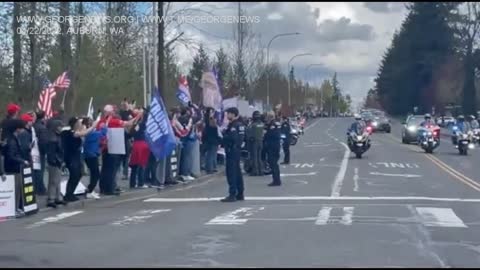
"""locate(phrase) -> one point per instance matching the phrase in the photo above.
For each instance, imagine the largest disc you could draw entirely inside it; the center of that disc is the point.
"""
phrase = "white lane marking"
(297, 174)
(318, 198)
(337, 184)
(233, 217)
(53, 219)
(302, 182)
(355, 180)
(347, 216)
(323, 216)
(440, 217)
(139, 217)
(399, 175)
(322, 159)
(312, 125)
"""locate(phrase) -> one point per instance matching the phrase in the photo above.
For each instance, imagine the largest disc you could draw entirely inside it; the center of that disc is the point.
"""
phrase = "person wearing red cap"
(110, 162)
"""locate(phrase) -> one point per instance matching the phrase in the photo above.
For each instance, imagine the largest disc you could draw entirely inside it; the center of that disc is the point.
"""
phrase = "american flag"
(49, 92)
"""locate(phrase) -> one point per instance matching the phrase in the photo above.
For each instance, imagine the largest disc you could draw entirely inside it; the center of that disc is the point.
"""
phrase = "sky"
(349, 38)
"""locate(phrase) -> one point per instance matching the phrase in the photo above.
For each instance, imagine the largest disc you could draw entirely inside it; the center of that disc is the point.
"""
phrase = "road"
(396, 207)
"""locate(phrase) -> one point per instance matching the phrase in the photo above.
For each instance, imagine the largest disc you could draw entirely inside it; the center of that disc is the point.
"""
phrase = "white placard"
(27, 171)
(7, 196)
(116, 141)
(79, 190)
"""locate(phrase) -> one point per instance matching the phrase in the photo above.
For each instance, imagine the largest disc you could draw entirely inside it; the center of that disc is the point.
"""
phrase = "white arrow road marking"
(440, 217)
(297, 174)
(233, 217)
(323, 216)
(54, 218)
(399, 175)
(142, 216)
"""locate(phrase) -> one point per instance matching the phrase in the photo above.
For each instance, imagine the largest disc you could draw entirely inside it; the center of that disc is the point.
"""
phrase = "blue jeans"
(211, 157)
(186, 162)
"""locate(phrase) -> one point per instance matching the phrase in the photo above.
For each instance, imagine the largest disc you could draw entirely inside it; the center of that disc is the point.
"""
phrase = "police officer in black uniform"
(233, 139)
(255, 140)
(272, 140)
(286, 142)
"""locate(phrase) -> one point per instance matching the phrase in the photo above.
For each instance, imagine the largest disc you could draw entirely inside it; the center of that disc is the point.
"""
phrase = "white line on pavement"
(355, 180)
(318, 198)
(399, 175)
(233, 217)
(347, 217)
(297, 174)
(323, 216)
(337, 184)
(440, 217)
(54, 218)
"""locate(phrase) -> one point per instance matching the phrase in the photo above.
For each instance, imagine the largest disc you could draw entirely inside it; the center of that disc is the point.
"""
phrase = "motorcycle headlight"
(359, 138)
(429, 133)
(464, 136)
(374, 124)
(455, 128)
(424, 134)
(412, 128)
(471, 146)
(283, 136)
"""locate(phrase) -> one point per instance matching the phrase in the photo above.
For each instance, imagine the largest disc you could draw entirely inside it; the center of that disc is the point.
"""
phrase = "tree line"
(109, 65)
(432, 62)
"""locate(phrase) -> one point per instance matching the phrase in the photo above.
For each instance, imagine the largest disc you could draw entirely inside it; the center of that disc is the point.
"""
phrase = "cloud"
(347, 38)
(383, 7)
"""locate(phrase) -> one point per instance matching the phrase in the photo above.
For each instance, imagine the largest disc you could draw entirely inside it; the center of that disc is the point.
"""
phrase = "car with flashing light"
(410, 128)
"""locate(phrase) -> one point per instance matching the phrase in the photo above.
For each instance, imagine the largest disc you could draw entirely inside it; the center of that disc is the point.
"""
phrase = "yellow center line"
(442, 165)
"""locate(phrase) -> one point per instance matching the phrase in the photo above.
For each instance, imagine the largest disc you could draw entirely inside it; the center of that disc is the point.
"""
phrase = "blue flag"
(159, 133)
(183, 92)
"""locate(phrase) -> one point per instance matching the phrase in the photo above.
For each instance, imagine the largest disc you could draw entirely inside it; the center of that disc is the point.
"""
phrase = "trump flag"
(159, 133)
(183, 92)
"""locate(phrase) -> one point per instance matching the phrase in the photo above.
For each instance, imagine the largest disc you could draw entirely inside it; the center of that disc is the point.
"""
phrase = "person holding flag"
(183, 91)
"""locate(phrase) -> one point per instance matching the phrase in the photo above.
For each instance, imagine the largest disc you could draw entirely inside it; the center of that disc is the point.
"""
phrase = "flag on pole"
(211, 92)
(183, 91)
(158, 132)
(90, 108)
(49, 92)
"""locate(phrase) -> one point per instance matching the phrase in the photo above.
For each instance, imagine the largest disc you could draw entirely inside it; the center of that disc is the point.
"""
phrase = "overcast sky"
(349, 38)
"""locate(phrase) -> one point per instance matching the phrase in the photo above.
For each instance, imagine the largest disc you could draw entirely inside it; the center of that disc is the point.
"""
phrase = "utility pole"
(161, 53)
(239, 59)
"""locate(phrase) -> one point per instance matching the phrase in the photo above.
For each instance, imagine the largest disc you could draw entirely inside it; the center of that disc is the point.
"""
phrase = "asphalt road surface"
(395, 207)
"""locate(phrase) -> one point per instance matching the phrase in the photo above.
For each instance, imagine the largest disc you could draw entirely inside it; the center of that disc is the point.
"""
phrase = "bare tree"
(17, 47)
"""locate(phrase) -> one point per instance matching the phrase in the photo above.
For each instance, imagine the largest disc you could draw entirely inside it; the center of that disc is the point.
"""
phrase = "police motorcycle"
(429, 138)
(476, 136)
(359, 141)
(463, 141)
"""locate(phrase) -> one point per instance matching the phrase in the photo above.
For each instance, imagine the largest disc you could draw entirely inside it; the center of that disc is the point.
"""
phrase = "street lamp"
(288, 74)
(321, 94)
(268, 54)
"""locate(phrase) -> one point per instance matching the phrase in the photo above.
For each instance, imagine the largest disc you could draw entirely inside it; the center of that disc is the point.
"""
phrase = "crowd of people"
(64, 146)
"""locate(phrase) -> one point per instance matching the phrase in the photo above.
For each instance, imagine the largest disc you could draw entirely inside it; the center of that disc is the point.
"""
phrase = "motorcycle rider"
(286, 129)
(428, 121)
(254, 142)
(473, 122)
(357, 127)
(461, 126)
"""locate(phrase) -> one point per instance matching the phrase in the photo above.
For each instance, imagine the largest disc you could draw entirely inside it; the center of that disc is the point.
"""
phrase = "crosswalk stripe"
(439, 217)
(347, 216)
(323, 216)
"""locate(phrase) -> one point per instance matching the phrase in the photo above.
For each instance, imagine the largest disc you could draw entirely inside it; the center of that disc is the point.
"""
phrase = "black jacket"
(13, 156)
(42, 136)
(210, 134)
(26, 138)
(233, 138)
(54, 146)
(271, 140)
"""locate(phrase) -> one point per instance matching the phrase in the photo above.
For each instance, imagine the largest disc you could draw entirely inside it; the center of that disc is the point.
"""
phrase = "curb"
(148, 192)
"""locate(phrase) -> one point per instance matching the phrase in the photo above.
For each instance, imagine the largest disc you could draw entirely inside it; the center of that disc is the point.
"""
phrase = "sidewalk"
(123, 184)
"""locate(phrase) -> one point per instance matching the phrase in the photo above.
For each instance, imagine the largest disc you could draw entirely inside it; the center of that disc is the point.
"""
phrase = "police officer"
(233, 139)
(285, 129)
(255, 141)
(272, 144)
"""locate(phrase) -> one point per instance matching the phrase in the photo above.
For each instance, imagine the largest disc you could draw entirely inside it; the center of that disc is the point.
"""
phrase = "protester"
(186, 162)
(14, 162)
(91, 152)
(55, 162)
(41, 133)
(110, 162)
(180, 132)
(126, 114)
(73, 144)
(140, 154)
(210, 141)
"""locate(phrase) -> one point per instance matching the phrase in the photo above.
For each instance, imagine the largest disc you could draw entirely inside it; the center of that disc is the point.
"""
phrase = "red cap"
(13, 108)
(27, 117)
